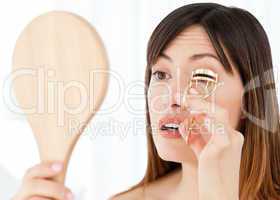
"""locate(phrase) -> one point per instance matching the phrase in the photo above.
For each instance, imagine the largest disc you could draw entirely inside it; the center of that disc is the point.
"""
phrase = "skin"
(165, 96)
(36, 184)
(210, 157)
(210, 160)
(201, 154)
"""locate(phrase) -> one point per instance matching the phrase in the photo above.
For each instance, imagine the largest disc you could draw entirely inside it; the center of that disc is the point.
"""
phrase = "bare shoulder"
(153, 191)
(135, 194)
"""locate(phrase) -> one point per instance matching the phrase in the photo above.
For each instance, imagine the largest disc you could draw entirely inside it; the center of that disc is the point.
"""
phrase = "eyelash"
(157, 72)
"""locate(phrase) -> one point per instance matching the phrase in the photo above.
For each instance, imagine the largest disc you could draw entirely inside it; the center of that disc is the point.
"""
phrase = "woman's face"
(190, 50)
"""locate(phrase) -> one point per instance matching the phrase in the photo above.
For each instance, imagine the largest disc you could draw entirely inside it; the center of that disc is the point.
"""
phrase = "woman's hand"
(36, 184)
(217, 147)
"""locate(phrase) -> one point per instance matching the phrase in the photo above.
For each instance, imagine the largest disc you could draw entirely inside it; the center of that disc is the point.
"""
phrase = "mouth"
(169, 126)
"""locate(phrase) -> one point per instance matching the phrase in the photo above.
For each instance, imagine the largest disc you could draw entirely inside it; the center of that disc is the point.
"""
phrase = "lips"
(170, 119)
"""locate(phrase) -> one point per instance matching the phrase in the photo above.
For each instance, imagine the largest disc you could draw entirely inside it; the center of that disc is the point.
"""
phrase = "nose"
(178, 88)
(176, 100)
(177, 97)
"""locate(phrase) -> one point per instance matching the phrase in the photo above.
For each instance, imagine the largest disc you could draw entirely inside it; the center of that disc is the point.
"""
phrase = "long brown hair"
(242, 36)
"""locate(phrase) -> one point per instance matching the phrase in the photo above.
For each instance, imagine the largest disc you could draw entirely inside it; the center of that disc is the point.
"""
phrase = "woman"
(235, 153)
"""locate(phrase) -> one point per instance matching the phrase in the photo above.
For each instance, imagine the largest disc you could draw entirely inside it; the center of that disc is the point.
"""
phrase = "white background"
(105, 161)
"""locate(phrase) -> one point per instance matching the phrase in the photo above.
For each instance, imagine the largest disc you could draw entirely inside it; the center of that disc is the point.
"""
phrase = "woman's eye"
(201, 81)
(160, 75)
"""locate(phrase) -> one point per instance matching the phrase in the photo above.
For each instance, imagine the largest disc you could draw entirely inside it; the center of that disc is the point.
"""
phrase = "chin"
(174, 150)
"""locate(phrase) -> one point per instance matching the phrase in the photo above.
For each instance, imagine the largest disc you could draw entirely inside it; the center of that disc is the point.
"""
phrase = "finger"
(205, 127)
(193, 136)
(213, 111)
(44, 170)
(183, 129)
(223, 130)
(39, 198)
(196, 142)
(218, 122)
(218, 141)
(48, 189)
(197, 123)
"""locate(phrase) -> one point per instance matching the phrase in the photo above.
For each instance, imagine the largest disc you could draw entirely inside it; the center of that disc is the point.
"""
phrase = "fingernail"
(187, 136)
(69, 196)
(182, 130)
(56, 167)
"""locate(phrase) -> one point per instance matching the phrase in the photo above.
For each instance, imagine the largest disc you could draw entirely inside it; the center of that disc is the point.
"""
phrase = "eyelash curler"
(205, 82)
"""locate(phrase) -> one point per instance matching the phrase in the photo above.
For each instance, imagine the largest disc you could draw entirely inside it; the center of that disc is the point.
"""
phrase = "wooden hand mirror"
(62, 73)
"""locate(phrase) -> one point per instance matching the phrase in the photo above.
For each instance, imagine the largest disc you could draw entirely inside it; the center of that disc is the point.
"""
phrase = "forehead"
(193, 39)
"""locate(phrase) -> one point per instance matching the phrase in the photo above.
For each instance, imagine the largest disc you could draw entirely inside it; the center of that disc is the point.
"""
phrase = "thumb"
(183, 129)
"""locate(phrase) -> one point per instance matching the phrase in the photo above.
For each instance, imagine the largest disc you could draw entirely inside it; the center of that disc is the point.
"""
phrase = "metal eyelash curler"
(205, 82)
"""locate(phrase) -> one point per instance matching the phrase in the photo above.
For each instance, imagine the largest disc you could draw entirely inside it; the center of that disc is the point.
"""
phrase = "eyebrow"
(193, 57)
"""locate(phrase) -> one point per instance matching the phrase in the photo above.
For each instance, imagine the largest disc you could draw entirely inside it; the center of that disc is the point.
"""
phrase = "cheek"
(158, 98)
(232, 101)
(168, 149)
